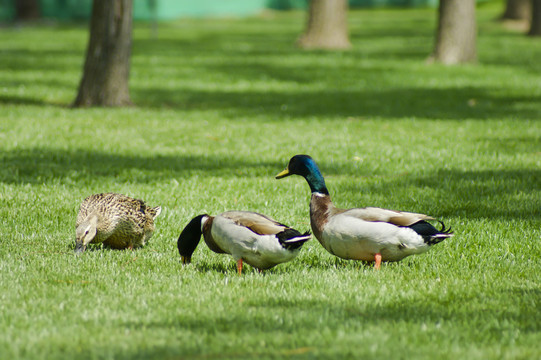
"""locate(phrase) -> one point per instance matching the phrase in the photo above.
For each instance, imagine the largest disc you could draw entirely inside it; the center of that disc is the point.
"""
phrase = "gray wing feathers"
(258, 223)
(399, 218)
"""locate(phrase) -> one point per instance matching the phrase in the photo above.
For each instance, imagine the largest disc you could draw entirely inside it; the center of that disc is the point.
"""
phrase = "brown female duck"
(116, 220)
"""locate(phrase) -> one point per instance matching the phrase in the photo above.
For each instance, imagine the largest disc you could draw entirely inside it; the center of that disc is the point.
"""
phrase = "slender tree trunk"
(535, 27)
(327, 25)
(457, 34)
(518, 10)
(26, 10)
(107, 66)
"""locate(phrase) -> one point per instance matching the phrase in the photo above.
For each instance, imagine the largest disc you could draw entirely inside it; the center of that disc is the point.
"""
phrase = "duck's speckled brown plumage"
(122, 222)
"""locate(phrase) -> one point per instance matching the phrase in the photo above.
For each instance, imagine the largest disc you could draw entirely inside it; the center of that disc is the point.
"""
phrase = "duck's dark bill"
(79, 248)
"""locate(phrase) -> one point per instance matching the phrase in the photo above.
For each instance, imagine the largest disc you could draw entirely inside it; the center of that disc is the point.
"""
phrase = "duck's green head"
(305, 166)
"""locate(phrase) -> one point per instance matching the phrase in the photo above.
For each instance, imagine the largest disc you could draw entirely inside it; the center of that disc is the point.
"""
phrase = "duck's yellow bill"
(283, 174)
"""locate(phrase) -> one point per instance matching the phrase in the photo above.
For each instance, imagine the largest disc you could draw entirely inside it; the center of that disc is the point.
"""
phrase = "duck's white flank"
(260, 251)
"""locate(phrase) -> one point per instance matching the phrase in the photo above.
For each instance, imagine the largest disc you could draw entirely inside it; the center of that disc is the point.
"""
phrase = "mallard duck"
(256, 239)
(369, 234)
(116, 220)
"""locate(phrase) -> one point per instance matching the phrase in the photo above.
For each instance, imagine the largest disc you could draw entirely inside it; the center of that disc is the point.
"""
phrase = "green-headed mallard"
(256, 239)
(116, 220)
(369, 234)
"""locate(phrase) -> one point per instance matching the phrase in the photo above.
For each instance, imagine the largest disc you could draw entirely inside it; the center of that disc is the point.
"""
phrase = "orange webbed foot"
(239, 266)
(378, 261)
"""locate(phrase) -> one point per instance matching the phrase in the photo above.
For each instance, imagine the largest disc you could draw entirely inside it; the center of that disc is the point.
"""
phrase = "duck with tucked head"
(368, 234)
(256, 239)
(117, 220)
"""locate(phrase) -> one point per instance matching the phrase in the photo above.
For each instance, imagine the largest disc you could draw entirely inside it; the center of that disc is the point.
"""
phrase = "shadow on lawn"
(429, 103)
(322, 84)
(326, 85)
(25, 60)
(270, 317)
(20, 100)
(507, 194)
(41, 165)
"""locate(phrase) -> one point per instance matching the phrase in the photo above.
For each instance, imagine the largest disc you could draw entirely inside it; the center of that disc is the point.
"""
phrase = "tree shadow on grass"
(20, 100)
(447, 104)
(306, 316)
(40, 165)
(508, 194)
(339, 87)
(479, 194)
(24, 60)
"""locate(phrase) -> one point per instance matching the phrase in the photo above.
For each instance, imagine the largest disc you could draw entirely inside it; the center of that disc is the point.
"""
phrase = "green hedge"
(171, 9)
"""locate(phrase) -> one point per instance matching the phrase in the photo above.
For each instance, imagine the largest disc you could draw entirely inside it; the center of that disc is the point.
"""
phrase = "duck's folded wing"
(399, 218)
(259, 224)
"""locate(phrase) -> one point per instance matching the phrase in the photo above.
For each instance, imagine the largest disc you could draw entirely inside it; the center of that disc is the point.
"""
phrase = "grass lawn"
(221, 106)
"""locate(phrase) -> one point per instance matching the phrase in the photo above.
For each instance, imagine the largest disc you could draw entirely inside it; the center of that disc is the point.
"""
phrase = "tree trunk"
(107, 66)
(327, 25)
(26, 10)
(518, 10)
(535, 27)
(457, 33)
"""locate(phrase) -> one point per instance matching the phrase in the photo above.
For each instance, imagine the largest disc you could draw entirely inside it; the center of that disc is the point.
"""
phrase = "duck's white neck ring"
(204, 220)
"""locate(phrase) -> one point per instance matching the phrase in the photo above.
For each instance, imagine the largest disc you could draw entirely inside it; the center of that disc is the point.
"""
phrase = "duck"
(116, 220)
(249, 237)
(369, 234)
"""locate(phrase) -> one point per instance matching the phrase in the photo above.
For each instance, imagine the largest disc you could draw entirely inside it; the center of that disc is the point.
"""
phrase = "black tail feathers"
(430, 234)
(443, 230)
(292, 239)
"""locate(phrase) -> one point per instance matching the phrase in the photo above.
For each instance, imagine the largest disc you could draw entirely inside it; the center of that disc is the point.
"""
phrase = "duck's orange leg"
(378, 261)
(239, 266)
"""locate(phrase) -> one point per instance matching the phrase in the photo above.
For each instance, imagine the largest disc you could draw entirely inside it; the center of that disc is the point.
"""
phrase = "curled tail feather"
(430, 234)
(292, 239)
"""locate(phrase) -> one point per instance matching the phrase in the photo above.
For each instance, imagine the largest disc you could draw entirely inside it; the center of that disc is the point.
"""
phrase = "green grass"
(222, 104)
